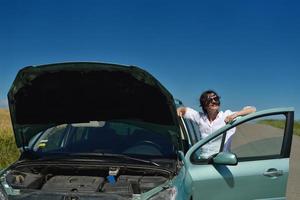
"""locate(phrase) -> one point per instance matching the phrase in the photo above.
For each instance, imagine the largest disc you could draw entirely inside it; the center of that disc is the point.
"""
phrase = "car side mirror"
(224, 158)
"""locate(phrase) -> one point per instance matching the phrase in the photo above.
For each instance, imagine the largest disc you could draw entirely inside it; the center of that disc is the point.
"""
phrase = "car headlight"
(168, 194)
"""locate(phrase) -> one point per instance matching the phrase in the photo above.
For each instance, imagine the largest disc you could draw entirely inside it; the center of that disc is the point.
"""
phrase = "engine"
(122, 181)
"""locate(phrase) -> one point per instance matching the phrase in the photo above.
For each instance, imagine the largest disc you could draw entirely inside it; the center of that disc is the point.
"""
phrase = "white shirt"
(206, 128)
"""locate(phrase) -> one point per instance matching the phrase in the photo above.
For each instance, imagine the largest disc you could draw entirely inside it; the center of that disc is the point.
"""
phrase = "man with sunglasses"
(211, 119)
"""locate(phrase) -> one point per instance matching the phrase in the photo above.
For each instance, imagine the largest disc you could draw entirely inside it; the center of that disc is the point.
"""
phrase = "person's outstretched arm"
(245, 111)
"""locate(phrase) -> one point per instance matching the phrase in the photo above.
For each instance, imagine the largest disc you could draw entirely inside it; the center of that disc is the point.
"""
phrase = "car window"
(261, 137)
(119, 137)
(255, 139)
(193, 130)
(51, 139)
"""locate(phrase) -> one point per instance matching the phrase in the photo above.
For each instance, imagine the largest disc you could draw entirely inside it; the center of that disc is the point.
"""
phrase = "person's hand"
(180, 111)
(230, 118)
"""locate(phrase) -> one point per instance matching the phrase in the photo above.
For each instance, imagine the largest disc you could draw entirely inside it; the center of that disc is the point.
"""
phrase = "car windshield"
(107, 137)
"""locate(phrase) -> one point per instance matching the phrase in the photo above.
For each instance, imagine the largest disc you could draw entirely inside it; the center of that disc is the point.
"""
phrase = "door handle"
(273, 173)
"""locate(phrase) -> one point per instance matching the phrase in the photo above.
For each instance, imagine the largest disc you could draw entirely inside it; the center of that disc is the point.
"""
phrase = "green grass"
(281, 124)
(297, 128)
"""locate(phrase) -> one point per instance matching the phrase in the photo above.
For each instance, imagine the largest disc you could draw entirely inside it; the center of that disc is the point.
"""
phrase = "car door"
(191, 130)
(261, 143)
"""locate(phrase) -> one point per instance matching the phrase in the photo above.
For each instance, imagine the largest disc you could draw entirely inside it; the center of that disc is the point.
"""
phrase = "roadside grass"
(297, 128)
(8, 150)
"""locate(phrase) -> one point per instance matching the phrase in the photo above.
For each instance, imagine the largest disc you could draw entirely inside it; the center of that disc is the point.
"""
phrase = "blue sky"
(248, 51)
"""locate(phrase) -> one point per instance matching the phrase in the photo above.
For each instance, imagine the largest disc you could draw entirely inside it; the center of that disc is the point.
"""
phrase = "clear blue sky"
(248, 51)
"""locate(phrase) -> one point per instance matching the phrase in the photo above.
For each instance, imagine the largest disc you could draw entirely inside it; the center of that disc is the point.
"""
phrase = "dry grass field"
(8, 150)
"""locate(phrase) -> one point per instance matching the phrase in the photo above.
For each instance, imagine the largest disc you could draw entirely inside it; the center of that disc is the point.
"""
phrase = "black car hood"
(48, 95)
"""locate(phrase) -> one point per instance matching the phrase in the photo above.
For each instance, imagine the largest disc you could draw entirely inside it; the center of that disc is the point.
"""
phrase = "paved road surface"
(293, 189)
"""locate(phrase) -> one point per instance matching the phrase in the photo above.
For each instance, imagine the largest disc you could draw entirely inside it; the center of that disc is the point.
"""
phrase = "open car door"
(256, 164)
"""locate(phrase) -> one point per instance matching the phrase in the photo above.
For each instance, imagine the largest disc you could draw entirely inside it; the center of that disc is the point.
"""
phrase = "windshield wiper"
(123, 156)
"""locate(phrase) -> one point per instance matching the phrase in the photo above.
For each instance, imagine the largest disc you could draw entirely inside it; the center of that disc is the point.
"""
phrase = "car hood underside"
(48, 95)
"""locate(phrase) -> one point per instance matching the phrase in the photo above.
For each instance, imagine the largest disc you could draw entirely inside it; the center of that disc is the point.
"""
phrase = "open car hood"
(48, 95)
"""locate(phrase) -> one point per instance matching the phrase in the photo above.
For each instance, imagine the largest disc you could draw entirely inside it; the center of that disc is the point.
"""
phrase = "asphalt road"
(293, 188)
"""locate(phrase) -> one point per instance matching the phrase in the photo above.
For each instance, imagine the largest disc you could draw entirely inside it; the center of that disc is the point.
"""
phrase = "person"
(211, 119)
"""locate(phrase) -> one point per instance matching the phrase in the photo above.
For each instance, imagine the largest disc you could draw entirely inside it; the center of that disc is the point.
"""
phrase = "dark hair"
(204, 100)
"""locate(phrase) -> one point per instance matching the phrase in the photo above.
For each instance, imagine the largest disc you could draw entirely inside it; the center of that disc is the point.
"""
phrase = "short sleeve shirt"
(206, 128)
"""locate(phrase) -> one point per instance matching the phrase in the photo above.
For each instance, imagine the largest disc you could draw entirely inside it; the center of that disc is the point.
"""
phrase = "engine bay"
(123, 181)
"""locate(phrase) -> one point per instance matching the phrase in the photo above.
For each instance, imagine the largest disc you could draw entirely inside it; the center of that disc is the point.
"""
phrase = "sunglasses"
(213, 98)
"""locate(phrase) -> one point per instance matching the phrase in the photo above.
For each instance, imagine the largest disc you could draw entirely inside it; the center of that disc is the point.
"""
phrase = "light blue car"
(104, 131)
